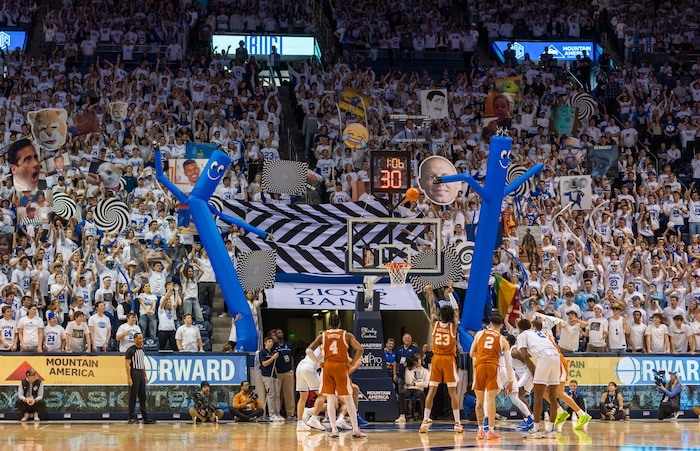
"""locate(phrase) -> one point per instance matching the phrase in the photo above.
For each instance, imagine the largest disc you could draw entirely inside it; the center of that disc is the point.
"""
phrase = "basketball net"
(398, 272)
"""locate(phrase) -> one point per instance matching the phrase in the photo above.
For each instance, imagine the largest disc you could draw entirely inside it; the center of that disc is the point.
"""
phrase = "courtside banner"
(635, 369)
(173, 369)
(317, 296)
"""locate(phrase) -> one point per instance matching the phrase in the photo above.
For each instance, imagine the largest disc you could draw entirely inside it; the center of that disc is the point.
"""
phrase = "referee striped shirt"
(137, 357)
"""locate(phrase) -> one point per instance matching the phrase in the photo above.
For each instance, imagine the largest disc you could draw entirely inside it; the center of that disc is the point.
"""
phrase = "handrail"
(291, 146)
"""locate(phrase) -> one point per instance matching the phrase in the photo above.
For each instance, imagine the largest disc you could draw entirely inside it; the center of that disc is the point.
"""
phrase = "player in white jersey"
(521, 388)
(307, 379)
(546, 371)
(562, 415)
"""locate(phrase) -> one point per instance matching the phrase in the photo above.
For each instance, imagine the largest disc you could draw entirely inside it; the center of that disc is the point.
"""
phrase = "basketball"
(412, 194)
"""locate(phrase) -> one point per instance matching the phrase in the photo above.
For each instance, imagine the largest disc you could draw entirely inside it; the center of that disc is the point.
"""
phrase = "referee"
(136, 377)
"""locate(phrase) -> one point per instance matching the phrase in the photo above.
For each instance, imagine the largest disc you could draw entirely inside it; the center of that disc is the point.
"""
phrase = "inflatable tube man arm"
(510, 189)
(240, 223)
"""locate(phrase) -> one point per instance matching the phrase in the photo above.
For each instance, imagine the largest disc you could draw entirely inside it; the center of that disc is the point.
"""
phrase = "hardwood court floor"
(648, 435)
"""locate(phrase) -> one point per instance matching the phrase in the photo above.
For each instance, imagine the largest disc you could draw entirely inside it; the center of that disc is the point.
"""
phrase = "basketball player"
(444, 366)
(546, 372)
(563, 415)
(335, 380)
(486, 352)
(307, 379)
(521, 388)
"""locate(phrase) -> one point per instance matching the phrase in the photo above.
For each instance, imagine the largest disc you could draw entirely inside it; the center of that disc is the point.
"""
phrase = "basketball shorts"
(443, 369)
(307, 378)
(335, 379)
(547, 370)
(486, 376)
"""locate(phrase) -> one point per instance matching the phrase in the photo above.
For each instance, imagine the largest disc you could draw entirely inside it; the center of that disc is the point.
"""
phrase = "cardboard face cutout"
(49, 127)
(119, 111)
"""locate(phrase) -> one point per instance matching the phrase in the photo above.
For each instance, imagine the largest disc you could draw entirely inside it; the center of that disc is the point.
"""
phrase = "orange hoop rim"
(397, 266)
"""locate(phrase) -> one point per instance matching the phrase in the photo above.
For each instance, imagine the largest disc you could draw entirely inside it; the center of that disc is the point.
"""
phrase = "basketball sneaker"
(562, 417)
(532, 433)
(425, 426)
(582, 421)
(458, 427)
(359, 434)
(315, 423)
(342, 424)
(491, 435)
(301, 426)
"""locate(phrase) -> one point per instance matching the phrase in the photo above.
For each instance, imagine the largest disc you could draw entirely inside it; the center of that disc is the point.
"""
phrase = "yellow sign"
(355, 102)
(64, 369)
(592, 370)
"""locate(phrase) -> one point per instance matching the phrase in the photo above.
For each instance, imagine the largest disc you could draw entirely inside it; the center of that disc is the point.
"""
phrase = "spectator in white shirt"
(656, 337)
(188, 337)
(597, 331)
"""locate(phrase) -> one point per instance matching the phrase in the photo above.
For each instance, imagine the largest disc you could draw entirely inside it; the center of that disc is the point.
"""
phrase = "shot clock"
(391, 172)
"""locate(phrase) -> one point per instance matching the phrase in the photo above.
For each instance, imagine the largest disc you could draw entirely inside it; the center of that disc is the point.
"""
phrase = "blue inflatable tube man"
(209, 234)
(492, 194)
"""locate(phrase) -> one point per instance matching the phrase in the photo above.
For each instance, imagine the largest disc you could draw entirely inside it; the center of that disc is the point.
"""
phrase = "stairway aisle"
(291, 141)
(36, 39)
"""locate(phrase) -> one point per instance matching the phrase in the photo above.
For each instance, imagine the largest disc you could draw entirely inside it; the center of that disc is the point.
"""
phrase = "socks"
(426, 414)
(455, 414)
(580, 413)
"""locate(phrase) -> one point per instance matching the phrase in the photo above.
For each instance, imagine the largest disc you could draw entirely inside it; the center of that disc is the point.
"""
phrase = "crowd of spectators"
(267, 17)
(18, 14)
(634, 236)
(78, 30)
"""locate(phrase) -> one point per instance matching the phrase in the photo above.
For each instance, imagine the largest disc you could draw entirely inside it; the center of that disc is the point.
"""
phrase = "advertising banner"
(560, 50)
(261, 45)
(377, 395)
(316, 296)
(100, 400)
(13, 39)
(173, 369)
(632, 370)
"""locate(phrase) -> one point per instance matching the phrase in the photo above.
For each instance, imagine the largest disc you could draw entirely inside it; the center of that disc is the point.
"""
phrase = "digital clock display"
(391, 171)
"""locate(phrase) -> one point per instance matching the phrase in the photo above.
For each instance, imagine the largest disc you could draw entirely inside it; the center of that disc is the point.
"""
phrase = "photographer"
(611, 404)
(671, 402)
(205, 406)
(246, 405)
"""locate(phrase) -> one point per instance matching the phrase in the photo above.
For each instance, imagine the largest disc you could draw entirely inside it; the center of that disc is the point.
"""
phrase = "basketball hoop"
(398, 272)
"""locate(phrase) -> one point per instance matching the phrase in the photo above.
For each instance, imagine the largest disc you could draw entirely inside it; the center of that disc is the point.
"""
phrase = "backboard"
(372, 242)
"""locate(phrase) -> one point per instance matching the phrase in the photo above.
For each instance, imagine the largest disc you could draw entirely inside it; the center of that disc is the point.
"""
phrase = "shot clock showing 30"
(391, 172)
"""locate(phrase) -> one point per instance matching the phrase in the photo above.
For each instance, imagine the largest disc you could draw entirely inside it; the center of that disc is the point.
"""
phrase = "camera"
(659, 377)
(253, 395)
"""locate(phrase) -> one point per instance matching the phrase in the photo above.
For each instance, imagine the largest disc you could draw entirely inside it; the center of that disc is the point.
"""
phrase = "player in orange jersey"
(444, 367)
(335, 378)
(486, 352)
